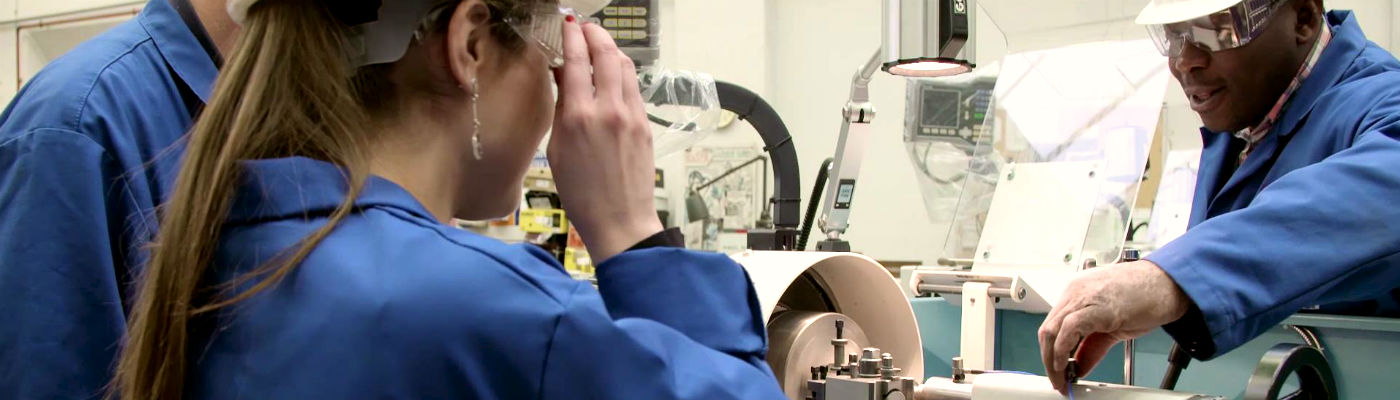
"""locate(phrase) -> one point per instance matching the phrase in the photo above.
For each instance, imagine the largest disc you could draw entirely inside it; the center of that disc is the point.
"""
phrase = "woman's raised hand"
(600, 150)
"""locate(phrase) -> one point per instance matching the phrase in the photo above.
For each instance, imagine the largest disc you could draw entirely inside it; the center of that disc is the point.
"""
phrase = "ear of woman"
(468, 25)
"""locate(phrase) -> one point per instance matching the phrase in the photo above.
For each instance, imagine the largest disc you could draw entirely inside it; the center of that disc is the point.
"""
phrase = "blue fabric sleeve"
(59, 294)
(670, 324)
(1321, 234)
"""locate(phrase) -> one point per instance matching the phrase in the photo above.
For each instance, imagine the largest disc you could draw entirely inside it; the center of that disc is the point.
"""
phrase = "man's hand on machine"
(1102, 307)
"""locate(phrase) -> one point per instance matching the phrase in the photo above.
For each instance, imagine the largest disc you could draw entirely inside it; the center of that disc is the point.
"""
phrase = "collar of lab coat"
(178, 45)
(1347, 44)
(300, 187)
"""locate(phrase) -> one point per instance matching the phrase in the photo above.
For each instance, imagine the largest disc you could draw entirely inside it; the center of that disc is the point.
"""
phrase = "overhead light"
(922, 38)
(929, 67)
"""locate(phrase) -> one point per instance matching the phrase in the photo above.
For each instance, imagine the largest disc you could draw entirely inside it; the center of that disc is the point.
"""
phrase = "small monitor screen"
(940, 108)
(843, 194)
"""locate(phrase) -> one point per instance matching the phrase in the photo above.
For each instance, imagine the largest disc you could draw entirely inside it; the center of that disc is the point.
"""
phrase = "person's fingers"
(1049, 330)
(574, 80)
(607, 71)
(631, 88)
(1078, 325)
(1072, 332)
(1092, 351)
(1047, 346)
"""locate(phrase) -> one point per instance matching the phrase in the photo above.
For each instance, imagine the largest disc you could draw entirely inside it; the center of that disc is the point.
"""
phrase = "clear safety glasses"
(545, 30)
(1227, 29)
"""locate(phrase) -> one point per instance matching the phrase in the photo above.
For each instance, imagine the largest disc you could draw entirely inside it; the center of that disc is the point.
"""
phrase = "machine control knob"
(840, 329)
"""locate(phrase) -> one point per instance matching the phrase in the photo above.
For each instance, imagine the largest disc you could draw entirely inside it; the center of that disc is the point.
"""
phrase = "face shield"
(1226, 29)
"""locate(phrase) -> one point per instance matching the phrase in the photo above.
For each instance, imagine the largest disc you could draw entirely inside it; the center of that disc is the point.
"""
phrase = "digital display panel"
(940, 108)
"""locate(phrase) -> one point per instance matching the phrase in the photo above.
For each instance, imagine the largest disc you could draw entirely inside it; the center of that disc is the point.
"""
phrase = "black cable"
(765, 216)
(1132, 232)
(812, 204)
(1177, 361)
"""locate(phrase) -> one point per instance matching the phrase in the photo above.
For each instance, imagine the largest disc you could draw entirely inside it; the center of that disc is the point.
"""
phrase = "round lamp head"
(928, 67)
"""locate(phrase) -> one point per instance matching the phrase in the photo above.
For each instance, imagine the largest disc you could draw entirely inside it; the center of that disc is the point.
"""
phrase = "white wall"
(798, 54)
(34, 32)
(817, 45)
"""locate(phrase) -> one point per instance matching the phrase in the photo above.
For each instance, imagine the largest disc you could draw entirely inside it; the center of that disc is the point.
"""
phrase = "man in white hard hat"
(1295, 204)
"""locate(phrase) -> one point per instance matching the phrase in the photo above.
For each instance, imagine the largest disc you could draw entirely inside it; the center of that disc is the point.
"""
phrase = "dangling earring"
(476, 122)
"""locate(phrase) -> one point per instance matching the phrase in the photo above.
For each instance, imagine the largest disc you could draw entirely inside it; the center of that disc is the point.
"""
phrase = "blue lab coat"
(76, 197)
(394, 304)
(1312, 217)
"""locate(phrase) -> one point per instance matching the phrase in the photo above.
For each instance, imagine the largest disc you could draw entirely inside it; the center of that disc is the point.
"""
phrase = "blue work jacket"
(395, 305)
(84, 159)
(1312, 217)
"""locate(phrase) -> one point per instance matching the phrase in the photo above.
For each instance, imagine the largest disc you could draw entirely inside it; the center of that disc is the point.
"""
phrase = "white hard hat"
(385, 39)
(1160, 12)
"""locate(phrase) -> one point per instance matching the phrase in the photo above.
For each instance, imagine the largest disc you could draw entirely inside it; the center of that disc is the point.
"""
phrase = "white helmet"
(1160, 12)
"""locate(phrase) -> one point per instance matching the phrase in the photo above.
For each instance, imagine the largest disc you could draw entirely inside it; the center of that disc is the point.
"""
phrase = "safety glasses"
(544, 30)
(1227, 29)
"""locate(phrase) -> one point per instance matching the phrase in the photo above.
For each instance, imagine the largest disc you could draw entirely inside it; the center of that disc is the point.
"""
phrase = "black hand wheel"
(1314, 375)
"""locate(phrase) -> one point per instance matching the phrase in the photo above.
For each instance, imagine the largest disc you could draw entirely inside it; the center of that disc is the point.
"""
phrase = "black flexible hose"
(813, 202)
(1177, 361)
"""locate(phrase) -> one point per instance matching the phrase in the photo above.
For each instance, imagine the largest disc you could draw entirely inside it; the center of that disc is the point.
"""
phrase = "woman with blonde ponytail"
(305, 251)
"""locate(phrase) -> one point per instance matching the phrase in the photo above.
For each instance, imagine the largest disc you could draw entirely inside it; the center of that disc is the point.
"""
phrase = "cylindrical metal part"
(1130, 255)
(959, 374)
(926, 289)
(869, 365)
(870, 353)
(887, 369)
(1128, 357)
(838, 351)
(907, 385)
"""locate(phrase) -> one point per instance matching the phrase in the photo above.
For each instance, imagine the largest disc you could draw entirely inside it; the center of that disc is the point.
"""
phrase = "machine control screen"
(844, 192)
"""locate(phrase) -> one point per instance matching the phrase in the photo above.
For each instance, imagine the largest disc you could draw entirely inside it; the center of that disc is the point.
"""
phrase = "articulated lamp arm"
(850, 150)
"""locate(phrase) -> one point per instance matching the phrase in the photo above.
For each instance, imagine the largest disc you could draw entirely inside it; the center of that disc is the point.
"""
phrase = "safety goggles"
(1227, 29)
(544, 30)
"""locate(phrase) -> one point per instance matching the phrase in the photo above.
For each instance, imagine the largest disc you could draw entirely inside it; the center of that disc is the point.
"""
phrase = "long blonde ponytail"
(286, 90)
